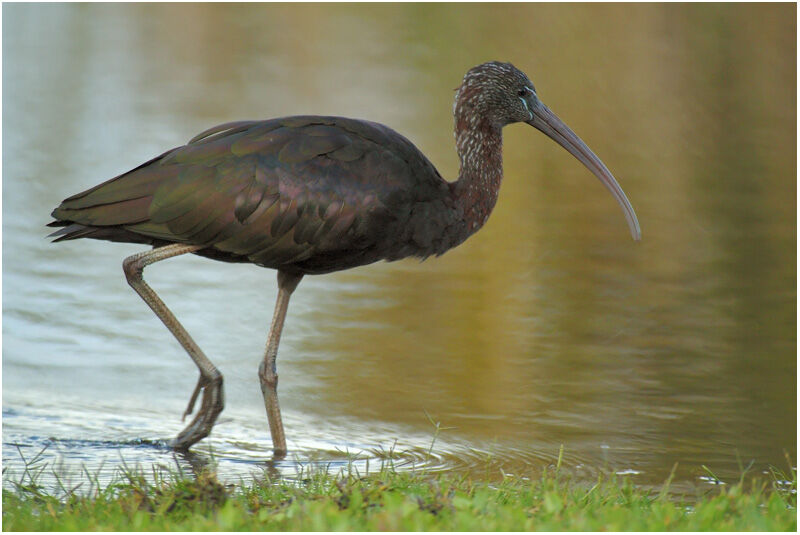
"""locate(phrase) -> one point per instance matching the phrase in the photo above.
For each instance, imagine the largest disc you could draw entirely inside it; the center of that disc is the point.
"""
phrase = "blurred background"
(549, 327)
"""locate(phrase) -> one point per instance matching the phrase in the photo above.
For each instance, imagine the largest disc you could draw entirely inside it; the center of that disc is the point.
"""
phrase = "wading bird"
(307, 195)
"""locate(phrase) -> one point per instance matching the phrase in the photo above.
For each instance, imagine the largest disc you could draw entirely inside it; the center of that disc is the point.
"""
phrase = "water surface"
(549, 327)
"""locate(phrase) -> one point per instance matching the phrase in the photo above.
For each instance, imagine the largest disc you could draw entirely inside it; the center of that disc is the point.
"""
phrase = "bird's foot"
(211, 406)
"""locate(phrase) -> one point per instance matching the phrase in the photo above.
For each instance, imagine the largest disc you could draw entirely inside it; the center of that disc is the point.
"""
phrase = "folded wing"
(271, 192)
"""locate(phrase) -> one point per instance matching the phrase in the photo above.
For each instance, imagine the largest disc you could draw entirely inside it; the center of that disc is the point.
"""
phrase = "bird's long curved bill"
(547, 122)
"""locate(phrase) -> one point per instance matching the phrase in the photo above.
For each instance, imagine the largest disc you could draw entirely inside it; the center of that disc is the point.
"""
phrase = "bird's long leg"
(266, 370)
(210, 381)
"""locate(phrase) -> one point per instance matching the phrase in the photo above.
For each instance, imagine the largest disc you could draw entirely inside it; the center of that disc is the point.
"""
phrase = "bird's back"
(307, 194)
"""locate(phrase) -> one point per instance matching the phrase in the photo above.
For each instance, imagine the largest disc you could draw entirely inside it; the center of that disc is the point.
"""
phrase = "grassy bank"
(394, 501)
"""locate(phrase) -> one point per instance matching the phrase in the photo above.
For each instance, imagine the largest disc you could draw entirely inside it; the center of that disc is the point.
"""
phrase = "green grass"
(392, 500)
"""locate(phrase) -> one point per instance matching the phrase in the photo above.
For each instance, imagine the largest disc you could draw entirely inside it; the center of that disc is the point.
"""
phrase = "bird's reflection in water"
(203, 466)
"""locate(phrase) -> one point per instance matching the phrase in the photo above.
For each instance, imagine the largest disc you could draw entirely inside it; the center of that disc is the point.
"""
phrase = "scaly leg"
(266, 370)
(210, 382)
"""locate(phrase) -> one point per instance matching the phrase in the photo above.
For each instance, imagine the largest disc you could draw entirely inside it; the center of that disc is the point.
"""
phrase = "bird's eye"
(522, 92)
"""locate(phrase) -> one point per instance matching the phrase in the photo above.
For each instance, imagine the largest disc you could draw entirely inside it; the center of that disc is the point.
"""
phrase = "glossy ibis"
(307, 195)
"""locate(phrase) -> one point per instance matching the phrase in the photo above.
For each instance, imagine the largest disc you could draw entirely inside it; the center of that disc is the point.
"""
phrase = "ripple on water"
(76, 447)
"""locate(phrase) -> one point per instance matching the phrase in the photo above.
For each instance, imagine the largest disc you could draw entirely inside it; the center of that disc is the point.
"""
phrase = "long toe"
(210, 408)
(201, 382)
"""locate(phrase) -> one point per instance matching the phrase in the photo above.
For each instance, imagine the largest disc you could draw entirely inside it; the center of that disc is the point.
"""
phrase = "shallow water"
(549, 327)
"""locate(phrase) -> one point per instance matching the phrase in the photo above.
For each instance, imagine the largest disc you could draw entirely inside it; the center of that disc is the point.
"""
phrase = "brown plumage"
(311, 195)
(302, 194)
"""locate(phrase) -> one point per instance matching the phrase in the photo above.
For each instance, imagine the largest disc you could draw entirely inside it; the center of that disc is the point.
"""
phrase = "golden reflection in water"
(549, 326)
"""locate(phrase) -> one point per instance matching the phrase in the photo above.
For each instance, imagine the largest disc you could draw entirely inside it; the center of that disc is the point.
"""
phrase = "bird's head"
(502, 94)
(498, 92)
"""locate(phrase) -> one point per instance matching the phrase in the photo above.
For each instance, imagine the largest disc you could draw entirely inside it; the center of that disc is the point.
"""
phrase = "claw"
(200, 384)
